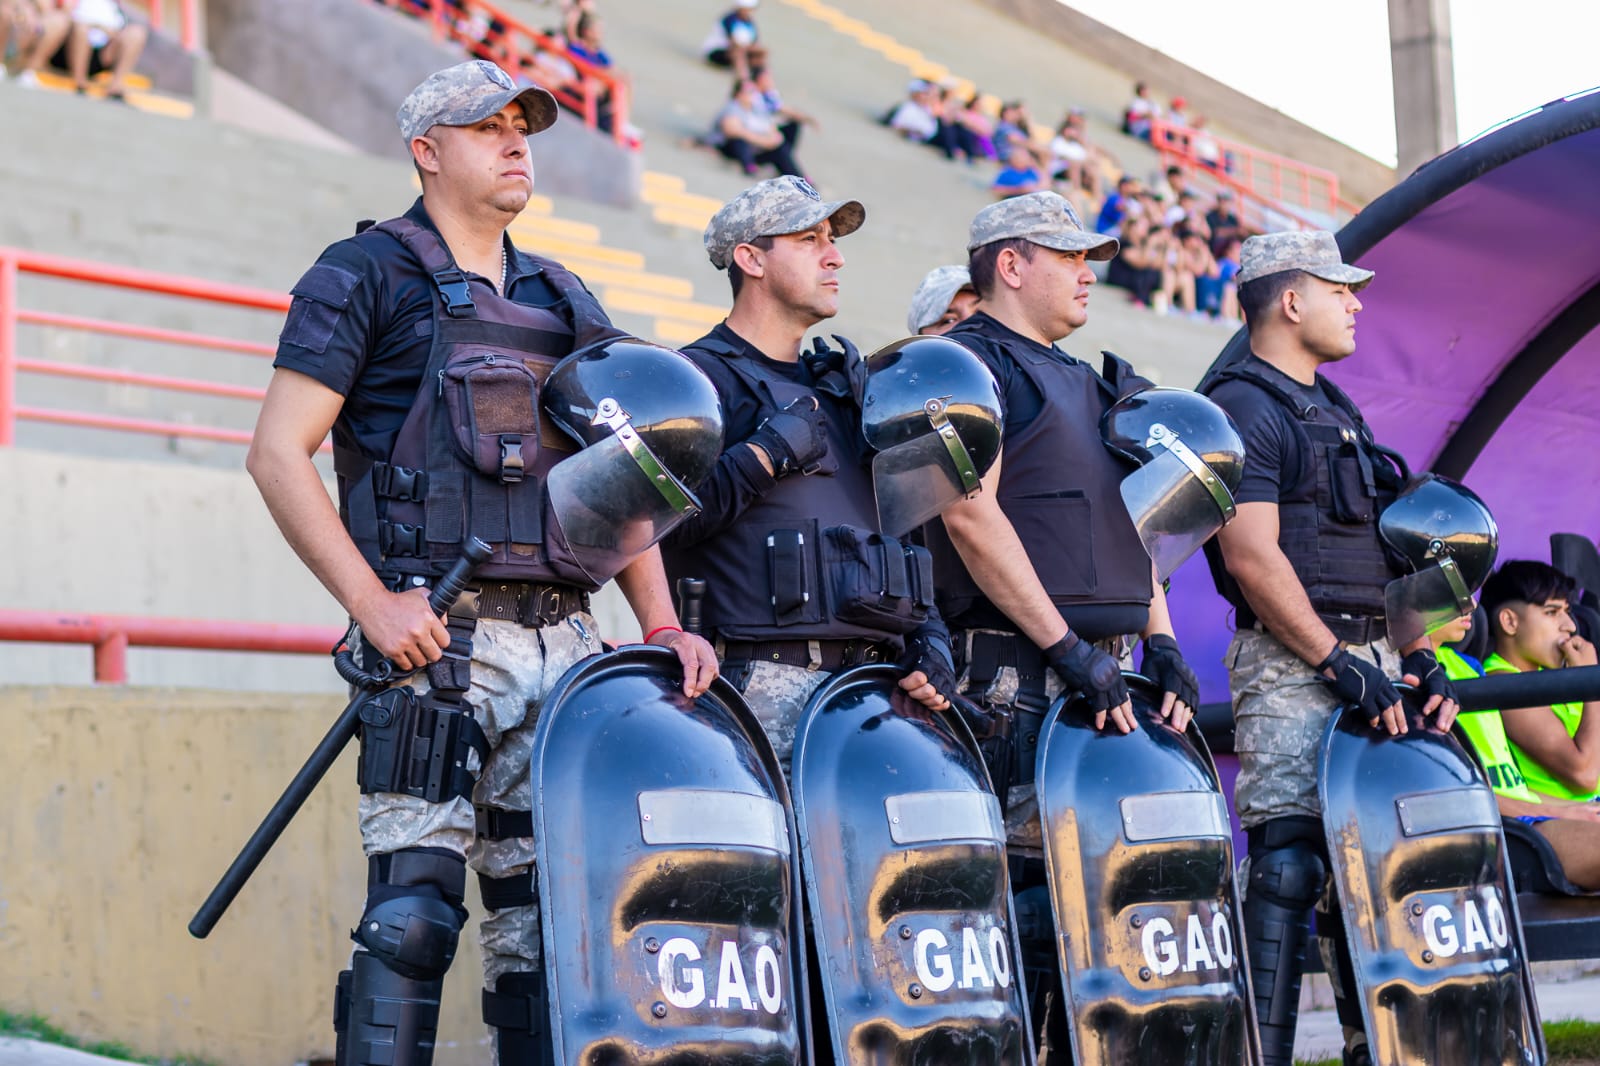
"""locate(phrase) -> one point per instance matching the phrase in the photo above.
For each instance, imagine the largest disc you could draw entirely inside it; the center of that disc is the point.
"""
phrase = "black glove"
(795, 437)
(1164, 665)
(930, 654)
(1358, 681)
(1432, 681)
(1087, 669)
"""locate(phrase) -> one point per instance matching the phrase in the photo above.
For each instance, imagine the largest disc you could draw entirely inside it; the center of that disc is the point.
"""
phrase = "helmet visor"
(613, 500)
(916, 480)
(1177, 504)
(1419, 603)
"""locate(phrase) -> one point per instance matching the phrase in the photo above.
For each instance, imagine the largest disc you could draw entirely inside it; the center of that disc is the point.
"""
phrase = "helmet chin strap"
(939, 417)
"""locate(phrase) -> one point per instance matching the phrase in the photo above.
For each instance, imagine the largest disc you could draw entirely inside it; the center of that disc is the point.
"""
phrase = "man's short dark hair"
(1174, 172)
(735, 275)
(981, 262)
(1524, 581)
(1259, 295)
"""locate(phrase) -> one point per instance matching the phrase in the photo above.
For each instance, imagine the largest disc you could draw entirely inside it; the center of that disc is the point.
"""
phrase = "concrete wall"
(1361, 178)
(107, 536)
(127, 804)
(351, 74)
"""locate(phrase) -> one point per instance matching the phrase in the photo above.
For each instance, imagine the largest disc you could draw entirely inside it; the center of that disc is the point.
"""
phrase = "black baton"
(440, 599)
(691, 594)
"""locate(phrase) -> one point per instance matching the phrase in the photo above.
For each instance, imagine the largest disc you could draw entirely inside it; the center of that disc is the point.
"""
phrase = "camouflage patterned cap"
(934, 295)
(1045, 218)
(772, 208)
(1314, 251)
(467, 93)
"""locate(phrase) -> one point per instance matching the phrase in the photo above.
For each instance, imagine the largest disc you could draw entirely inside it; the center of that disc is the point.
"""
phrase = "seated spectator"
(913, 117)
(1223, 221)
(1176, 183)
(745, 132)
(1199, 275)
(944, 298)
(1186, 214)
(1205, 147)
(1569, 826)
(1142, 264)
(1018, 177)
(19, 22)
(772, 101)
(1013, 130)
(1557, 748)
(1178, 113)
(1227, 273)
(571, 12)
(1072, 161)
(552, 71)
(1136, 116)
(589, 47)
(97, 37)
(1116, 207)
(975, 122)
(729, 43)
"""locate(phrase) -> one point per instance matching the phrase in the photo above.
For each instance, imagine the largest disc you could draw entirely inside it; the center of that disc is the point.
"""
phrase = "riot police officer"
(1305, 569)
(791, 499)
(420, 343)
(1042, 576)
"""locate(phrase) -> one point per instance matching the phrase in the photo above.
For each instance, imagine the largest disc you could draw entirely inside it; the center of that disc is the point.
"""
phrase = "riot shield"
(667, 872)
(1419, 861)
(1149, 929)
(905, 871)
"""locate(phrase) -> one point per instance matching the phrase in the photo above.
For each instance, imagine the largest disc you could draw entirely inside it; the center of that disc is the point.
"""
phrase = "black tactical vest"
(1328, 519)
(473, 453)
(802, 562)
(1060, 489)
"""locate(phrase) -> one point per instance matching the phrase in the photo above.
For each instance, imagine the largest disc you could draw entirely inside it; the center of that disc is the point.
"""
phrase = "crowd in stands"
(83, 39)
(755, 127)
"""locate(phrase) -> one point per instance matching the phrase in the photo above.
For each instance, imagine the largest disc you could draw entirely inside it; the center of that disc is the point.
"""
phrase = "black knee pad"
(414, 915)
(1287, 874)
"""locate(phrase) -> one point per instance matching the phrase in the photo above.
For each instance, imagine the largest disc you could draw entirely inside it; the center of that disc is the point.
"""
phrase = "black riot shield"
(1430, 914)
(904, 862)
(1149, 929)
(667, 872)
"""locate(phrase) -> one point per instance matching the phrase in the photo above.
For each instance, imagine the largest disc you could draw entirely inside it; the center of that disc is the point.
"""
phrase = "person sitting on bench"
(1572, 828)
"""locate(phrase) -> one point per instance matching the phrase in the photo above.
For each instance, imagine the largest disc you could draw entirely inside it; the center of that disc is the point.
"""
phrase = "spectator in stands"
(549, 70)
(571, 12)
(1141, 264)
(1557, 748)
(38, 30)
(1176, 183)
(789, 119)
(1115, 209)
(589, 46)
(1568, 826)
(1013, 130)
(1136, 116)
(913, 117)
(99, 37)
(976, 122)
(1072, 161)
(1186, 214)
(730, 41)
(1018, 177)
(747, 133)
(1178, 113)
(944, 298)
(1223, 221)
(1228, 273)
(1199, 275)
(1205, 147)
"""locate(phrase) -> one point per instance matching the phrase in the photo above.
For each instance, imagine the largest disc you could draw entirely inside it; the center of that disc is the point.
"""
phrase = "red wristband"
(660, 629)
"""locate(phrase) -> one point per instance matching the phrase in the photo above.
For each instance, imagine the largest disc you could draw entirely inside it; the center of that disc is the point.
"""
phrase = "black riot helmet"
(930, 410)
(650, 425)
(1191, 460)
(1443, 538)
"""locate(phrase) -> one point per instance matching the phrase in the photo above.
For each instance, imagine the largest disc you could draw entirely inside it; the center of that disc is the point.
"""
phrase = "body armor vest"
(473, 453)
(1060, 489)
(802, 562)
(1328, 520)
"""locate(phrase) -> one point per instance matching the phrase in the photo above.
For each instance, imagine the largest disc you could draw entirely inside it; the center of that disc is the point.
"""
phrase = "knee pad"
(414, 915)
(1287, 868)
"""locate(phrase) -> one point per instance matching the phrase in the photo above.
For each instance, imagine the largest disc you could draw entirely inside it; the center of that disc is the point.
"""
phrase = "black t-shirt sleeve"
(332, 322)
(738, 479)
(1271, 451)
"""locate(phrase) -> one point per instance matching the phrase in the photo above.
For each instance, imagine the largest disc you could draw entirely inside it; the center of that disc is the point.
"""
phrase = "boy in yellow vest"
(1572, 827)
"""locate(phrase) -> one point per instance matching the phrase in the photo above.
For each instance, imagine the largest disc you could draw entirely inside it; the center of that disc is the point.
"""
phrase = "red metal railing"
(1287, 185)
(112, 635)
(16, 261)
(512, 44)
(188, 21)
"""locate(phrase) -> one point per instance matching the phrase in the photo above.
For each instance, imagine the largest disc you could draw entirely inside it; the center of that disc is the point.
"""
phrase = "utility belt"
(528, 603)
(1346, 628)
(829, 655)
(985, 652)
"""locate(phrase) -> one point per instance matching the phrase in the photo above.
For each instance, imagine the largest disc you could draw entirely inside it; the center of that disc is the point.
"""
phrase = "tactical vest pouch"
(1062, 527)
(1350, 484)
(876, 580)
(792, 575)
(493, 404)
(414, 746)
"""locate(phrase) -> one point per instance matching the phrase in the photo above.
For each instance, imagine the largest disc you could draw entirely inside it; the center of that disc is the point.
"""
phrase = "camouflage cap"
(1045, 218)
(772, 208)
(467, 93)
(1314, 251)
(933, 296)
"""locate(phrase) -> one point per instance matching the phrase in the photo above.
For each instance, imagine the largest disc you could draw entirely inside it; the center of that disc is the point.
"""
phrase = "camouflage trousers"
(1023, 829)
(777, 693)
(513, 670)
(1281, 707)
